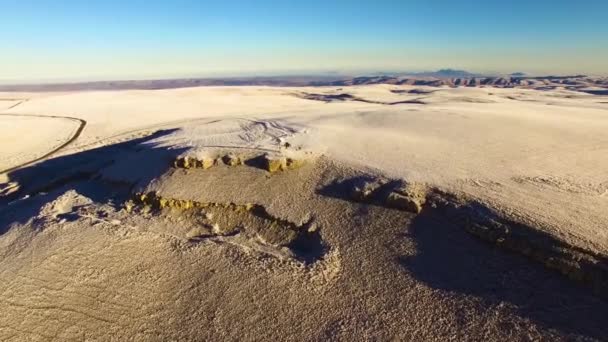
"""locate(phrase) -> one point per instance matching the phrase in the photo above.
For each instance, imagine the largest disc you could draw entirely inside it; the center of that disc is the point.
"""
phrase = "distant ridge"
(452, 73)
(576, 83)
(287, 81)
(441, 78)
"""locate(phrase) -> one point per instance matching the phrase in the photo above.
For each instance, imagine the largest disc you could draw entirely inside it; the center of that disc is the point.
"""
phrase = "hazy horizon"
(112, 40)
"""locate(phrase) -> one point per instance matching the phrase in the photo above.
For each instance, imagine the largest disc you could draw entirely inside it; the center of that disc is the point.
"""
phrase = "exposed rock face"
(194, 163)
(232, 159)
(223, 220)
(274, 163)
(292, 163)
(269, 162)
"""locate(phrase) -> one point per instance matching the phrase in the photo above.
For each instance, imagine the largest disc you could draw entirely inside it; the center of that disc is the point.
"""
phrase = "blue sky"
(70, 39)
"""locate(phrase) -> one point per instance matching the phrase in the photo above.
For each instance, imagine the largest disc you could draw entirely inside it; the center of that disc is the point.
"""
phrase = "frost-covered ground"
(238, 251)
(540, 154)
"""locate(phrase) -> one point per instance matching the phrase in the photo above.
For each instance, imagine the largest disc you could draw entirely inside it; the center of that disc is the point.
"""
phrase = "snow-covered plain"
(538, 154)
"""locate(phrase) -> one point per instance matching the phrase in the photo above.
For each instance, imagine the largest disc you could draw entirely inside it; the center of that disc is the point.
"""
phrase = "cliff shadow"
(452, 259)
(106, 174)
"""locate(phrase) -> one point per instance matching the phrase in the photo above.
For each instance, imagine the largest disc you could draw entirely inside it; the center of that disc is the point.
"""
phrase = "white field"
(24, 138)
(540, 156)
(7, 103)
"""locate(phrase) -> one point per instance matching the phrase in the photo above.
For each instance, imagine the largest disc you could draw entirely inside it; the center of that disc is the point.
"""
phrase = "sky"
(120, 39)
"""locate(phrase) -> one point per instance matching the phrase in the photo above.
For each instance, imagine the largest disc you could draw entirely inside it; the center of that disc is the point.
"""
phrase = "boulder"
(274, 163)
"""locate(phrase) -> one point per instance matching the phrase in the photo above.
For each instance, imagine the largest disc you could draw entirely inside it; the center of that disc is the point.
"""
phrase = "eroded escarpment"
(479, 220)
(271, 162)
(250, 224)
(576, 263)
(212, 247)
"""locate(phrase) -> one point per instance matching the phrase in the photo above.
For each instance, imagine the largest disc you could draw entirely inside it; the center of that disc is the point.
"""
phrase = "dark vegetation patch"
(595, 92)
(343, 97)
(413, 91)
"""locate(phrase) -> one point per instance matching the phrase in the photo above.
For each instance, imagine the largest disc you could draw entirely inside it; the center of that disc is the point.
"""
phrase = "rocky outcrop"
(250, 221)
(396, 194)
(194, 163)
(365, 189)
(231, 159)
(269, 162)
(275, 163)
(408, 196)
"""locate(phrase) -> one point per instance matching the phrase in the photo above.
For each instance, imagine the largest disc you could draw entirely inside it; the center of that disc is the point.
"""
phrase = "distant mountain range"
(590, 85)
(442, 73)
(443, 77)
